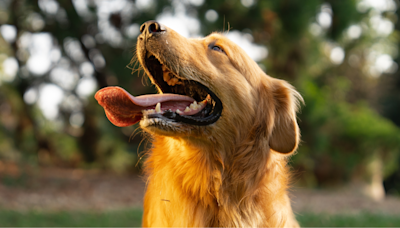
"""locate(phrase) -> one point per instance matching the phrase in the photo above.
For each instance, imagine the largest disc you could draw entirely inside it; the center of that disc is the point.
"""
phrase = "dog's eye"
(217, 48)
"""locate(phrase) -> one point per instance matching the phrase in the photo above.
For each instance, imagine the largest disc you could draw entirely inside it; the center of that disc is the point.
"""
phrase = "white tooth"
(187, 109)
(158, 108)
(195, 102)
(149, 54)
(193, 106)
(178, 111)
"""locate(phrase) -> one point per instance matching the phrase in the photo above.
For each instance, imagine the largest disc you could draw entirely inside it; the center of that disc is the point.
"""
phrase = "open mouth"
(204, 110)
(181, 100)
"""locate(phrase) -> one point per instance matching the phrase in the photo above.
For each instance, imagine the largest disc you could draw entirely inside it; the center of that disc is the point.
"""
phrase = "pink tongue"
(123, 109)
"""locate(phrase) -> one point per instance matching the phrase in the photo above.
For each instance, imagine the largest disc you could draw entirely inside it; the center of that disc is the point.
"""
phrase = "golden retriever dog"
(222, 131)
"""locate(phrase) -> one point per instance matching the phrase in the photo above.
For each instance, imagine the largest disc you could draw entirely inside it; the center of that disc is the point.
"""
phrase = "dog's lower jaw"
(194, 183)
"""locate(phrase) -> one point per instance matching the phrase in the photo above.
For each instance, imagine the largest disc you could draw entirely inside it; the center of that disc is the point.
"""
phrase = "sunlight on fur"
(231, 172)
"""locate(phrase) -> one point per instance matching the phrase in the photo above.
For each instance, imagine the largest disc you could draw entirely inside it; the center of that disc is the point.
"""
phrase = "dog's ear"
(285, 133)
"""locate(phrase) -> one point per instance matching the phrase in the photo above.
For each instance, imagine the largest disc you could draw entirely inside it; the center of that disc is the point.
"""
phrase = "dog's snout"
(151, 27)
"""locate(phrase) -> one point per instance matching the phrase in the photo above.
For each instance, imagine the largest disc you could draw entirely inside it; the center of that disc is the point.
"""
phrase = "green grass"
(359, 220)
(132, 217)
(119, 218)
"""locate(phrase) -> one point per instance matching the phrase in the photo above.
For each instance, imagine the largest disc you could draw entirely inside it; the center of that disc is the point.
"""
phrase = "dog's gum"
(172, 81)
(169, 77)
(166, 76)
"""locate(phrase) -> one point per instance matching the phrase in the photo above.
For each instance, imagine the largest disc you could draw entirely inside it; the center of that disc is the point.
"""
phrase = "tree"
(82, 38)
(334, 52)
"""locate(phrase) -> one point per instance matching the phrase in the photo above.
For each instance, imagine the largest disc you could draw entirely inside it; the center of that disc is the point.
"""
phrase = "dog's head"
(208, 88)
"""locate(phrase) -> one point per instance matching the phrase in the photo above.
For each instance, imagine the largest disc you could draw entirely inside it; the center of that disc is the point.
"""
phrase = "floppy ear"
(285, 133)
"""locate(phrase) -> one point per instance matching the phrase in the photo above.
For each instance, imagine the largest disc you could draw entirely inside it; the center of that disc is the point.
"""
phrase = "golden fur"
(232, 173)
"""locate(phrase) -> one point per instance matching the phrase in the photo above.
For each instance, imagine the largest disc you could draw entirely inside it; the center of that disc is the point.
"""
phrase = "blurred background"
(58, 151)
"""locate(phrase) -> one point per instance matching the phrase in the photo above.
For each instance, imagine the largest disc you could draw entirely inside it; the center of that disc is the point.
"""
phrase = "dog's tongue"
(123, 109)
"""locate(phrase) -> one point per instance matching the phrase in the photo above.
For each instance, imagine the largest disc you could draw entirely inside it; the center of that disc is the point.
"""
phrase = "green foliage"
(27, 134)
(340, 124)
(296, 16)
(344, 135)
(344, 14)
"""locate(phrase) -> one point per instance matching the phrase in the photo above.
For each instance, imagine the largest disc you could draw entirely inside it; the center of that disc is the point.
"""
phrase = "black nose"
(151, 27)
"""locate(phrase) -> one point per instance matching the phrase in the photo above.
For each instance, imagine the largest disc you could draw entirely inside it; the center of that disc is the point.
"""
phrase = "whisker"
(134, 133)
(145, 150)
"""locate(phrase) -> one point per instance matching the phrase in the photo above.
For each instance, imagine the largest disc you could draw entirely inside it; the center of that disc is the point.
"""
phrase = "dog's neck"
(212, 180)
